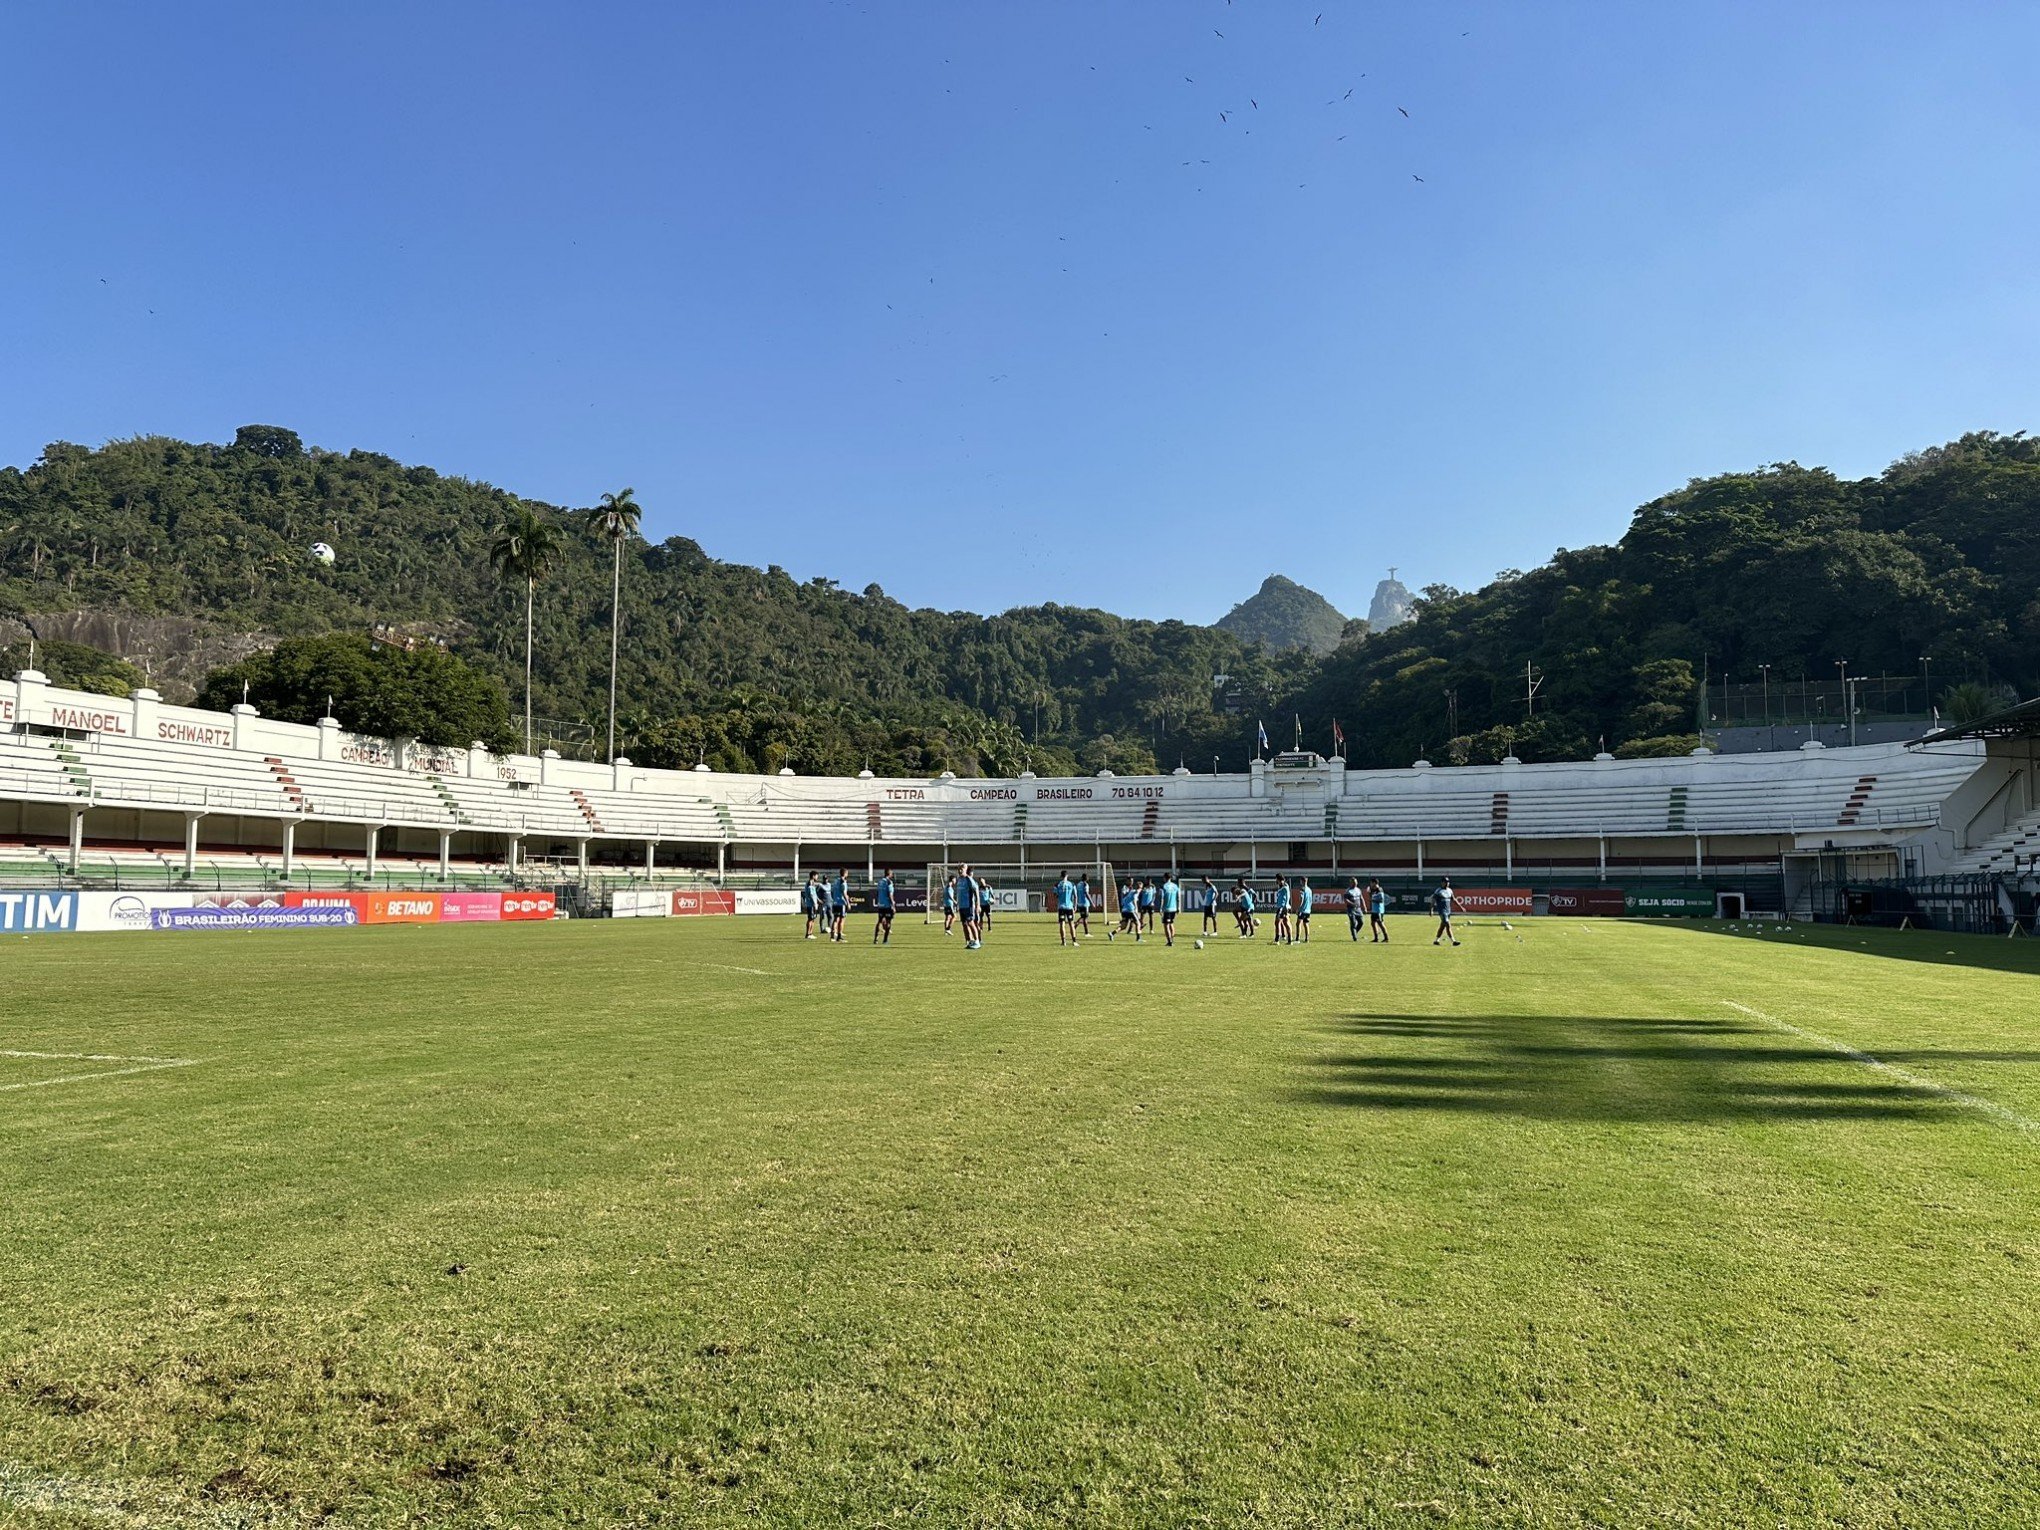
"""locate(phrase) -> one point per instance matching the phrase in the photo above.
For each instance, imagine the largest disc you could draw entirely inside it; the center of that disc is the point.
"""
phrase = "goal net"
(1023, 886)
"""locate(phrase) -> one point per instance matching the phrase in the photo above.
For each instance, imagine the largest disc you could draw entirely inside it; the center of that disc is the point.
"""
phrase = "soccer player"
(1441, 905)
(882, 901)
(1129, 920)
(1356, 906)
(1247, 924)
(966, 907)
(810, 904)
(1377, 910)
(984, 907)
(949, 905)
(1065, 911)
(1209, 892)
(1282, 911)
(1172, 898)
(1304, 899)
(839, 902)
(1084, 903)
(1146, 903)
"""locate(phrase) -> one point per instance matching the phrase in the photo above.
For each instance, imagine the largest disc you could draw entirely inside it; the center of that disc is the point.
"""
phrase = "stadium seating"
(2013, 848)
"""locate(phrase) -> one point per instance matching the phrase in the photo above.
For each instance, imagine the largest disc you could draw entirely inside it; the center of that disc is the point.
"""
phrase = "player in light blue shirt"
(966, 907)
(1304, 899)
(1084, 903)
(1172, 899)
(882, 901)
(1065, 911)
(1377, 910)
(1282, 913)
(1245, 902)
(839, 903)
(1441, 904)
(948, 905)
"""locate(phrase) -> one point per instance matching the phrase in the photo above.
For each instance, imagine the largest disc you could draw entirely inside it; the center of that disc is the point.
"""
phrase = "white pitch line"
(142, 1065)
(1914, 1080)
(725, 967)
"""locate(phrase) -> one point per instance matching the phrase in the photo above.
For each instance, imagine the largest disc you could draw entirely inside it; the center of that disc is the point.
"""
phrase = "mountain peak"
(1284, 614)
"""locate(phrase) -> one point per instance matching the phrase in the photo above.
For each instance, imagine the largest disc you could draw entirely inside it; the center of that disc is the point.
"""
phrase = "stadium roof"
(2021, 721)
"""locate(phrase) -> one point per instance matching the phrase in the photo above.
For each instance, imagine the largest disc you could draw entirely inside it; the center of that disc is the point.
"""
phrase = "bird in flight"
(1221, 117)
(1256, 105)
(1400, 109)
(1415, 177)
(1216, 33)
(1349, 94)
(1314, 20)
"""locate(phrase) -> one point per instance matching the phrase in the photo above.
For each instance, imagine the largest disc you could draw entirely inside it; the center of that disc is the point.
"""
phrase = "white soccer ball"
(1200, 945)
(322, 552)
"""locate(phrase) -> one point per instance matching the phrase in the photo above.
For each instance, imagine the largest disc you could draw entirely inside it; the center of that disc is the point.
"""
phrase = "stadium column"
(289, 847)
(191, 844)
(1603, 839)
(651, 857)
(445, 854)
(722, 851)
(1699, 861)
(871, 859)
(374, 834)
(1509, 857)
(1420, 858)
(581, 855)
(77, 837)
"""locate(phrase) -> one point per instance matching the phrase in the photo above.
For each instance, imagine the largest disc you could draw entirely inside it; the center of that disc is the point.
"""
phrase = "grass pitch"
(691, 1222)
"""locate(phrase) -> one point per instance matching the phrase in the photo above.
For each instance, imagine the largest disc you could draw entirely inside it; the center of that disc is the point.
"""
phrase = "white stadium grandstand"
(131, 792)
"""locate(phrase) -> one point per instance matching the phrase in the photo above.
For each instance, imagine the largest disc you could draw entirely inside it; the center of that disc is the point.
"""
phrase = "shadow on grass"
(1636, 1068)
(1996, 953)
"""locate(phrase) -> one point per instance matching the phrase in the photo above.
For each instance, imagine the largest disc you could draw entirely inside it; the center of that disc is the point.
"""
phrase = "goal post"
(1023, 887)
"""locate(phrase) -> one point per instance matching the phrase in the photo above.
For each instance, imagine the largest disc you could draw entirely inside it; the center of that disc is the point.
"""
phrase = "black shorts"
(1169, 920)
(1065, 913)
(1304, 915)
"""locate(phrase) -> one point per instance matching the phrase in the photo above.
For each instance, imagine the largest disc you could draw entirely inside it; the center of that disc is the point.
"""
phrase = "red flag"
(1338, 735)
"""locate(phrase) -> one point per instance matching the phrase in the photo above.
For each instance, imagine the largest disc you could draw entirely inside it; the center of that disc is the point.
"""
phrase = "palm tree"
(618, 518)
(526, 546)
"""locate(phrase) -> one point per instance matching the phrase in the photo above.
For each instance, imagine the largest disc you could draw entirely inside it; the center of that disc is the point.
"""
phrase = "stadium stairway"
(1852, 810)
(2014, 845)
(446, 796)
(587, 810)
(1498, 814)
(73, 767)
(288, 782)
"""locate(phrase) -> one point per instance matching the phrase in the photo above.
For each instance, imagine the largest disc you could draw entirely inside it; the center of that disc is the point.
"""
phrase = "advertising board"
(1491, 900)
(254, 918)
(470, 907)
(38, 913)
(691, 901)
(519, 906)
(1673, 902)
(1590, 902)
(773, 901)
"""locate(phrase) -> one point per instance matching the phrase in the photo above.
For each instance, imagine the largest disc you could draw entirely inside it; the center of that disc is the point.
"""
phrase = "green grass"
(758, 1231)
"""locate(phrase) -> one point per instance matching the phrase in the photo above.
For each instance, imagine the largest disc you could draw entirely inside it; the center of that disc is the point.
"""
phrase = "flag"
(1262, 729)
(1338, 739)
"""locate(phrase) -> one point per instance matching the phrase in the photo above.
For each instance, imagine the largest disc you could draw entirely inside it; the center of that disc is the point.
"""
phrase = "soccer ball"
(322, 552)
(1200, 945)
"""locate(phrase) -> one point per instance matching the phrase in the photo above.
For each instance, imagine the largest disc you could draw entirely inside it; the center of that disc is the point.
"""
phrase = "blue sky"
(926, 294)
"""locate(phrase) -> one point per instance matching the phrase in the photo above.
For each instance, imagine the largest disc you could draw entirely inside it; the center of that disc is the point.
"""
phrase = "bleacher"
(2013, 848)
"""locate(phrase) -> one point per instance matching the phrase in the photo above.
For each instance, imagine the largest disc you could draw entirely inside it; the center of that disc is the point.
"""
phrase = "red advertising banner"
(528, 905)
(1593, 902)
(692, 902)
(1491, 900)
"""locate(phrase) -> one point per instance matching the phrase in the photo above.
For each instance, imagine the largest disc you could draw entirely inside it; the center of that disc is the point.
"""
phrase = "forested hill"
(1937, 557)
(1786, 566)
(1283, 614)
(746, 666)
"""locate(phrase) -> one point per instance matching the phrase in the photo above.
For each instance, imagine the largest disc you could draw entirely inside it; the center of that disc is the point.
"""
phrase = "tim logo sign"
(30, 913)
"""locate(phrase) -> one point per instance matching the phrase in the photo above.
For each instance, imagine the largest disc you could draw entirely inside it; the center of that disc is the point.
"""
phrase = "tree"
(389, 688)
(526, 546)
(618, 519)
